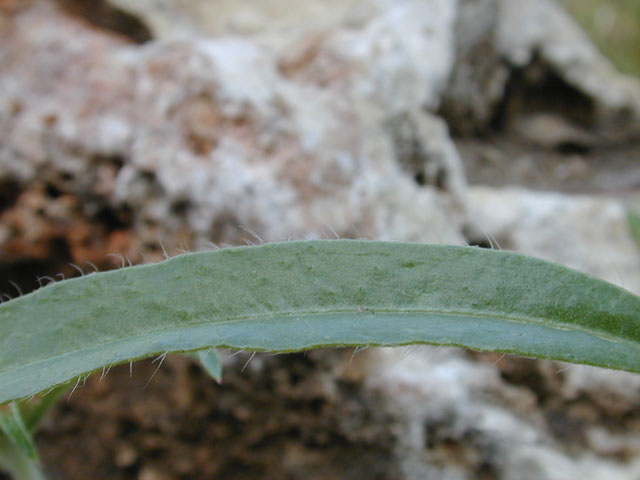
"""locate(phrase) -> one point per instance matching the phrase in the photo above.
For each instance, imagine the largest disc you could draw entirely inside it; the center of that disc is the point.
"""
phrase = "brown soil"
(274, 420)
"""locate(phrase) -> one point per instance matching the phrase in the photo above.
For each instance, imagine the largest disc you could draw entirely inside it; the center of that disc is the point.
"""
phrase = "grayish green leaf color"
(34, 410)
(15, 462)
(301, 295)
(14, 428)
(210, 361)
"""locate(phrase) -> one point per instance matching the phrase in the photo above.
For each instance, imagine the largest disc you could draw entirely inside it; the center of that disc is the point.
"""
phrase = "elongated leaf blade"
(300, 295)
(12, 425)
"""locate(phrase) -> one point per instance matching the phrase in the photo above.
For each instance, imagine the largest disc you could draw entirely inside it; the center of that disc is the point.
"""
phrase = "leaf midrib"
(545, 322)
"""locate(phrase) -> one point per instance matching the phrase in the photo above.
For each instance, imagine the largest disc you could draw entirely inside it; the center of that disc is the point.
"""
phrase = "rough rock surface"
(195, 138)
(506, 418)
(135, 127)
(590, 234)
(531, 27)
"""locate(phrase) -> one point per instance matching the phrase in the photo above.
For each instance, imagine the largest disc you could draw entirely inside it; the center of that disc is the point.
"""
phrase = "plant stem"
(16, 463)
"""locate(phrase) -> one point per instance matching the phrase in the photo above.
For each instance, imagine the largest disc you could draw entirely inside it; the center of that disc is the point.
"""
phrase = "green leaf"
(15, 429)
(301, 295)
(14, 461)
(34, 410)
(633, 220)
(210, 361)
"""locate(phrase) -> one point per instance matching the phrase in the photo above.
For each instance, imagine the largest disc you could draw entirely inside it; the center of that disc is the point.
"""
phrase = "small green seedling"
(286, 297)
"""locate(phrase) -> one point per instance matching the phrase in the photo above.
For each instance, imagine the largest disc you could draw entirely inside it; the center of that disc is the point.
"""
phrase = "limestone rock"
(474, 38)
(463, 419)
(531, 27)
(204, 135)
(586, 233)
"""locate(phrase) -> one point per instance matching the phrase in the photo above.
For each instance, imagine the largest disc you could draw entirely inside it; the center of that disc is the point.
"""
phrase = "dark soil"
(275, 420)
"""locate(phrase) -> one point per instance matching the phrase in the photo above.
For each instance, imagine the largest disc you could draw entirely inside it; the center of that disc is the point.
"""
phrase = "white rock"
(590, 234)
(528, 27)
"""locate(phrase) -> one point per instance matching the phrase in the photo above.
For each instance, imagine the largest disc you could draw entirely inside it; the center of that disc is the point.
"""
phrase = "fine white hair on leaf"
(117, 255)
(355, 351)
(408, 350)
(164, 250)
(238, 352)
(489, 239)
(61, 275)
(335, 234)
(615, 267)
(563, 369)
(16, 286)
(105, 372)
(128, 260)
(74, 387)
(211, 245)
(252, 233)
(77, 268)
(45, 393)
(161, 358)
(45, 277)
(247, 363)
(360, 237)
(499, 358)
(92, 265)
(493, 242)
(183, 248)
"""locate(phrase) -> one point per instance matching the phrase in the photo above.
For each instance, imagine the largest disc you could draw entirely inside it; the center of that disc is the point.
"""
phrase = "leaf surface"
(13, 426)
(300, 295)
(210, 362)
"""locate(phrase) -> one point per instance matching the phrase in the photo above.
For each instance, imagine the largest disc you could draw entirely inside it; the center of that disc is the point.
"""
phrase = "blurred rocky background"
(131, 128)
